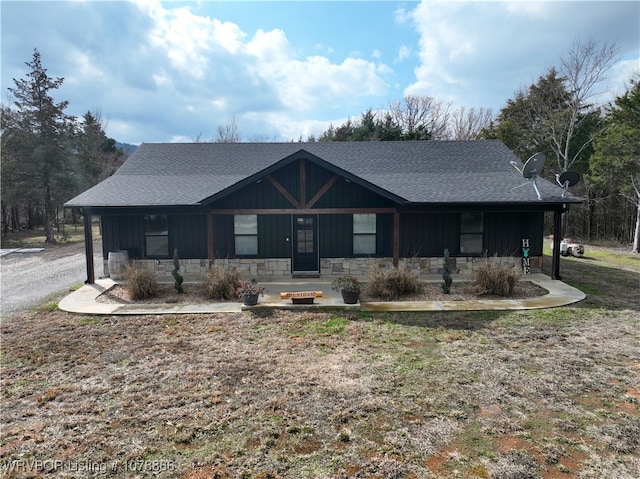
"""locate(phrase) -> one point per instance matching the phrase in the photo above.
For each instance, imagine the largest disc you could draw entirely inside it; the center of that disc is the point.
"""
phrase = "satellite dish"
(567, 179)
(534, 166)
(532, 169)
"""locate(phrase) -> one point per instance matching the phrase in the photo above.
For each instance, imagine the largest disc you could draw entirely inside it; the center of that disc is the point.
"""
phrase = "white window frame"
(245, 232)
(364, 234)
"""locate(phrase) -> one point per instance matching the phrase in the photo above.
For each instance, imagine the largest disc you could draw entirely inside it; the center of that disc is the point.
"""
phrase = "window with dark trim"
(471, 233)
(364, 234)
(156, 236)
(245, 230)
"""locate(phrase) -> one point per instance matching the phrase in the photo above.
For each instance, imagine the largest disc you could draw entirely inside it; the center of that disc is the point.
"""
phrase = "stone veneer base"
(273, 269)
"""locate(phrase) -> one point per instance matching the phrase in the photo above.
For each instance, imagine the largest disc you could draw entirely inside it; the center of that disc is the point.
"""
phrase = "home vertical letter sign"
(526, 260)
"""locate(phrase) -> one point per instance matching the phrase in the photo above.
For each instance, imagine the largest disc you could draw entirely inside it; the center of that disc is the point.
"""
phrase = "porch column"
(557, 237)
(210, 246)
(88, 247)
(396, 238)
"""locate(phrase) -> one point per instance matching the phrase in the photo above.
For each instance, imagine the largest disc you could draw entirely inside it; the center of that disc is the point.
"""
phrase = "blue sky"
(172, 71)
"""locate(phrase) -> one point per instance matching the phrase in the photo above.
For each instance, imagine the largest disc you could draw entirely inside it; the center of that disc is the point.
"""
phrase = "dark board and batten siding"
(504, 232)
(421, 234)
(273, 233)
(262, 194)
(428, 234)
(343, 193)
(123, 233)
(187, 233)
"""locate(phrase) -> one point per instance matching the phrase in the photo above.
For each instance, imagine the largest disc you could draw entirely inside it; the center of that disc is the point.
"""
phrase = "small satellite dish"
(531, 170)
(534, 166)
(567, 179)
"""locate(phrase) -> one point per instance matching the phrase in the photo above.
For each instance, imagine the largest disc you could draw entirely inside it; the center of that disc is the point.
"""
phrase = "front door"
(305, 257)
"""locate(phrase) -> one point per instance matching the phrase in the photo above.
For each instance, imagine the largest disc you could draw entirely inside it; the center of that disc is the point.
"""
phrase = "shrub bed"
(141, 284)
(495, 280)
(221, 284)
(391, 285)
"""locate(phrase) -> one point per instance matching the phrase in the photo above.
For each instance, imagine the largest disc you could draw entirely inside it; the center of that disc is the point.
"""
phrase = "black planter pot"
(350, 297)
(250, 299)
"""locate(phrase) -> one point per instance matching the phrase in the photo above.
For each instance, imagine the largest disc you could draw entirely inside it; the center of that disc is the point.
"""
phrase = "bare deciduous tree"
(198, 138)
(468, 124)
(421, 117)
(228, 133)
(582, 69)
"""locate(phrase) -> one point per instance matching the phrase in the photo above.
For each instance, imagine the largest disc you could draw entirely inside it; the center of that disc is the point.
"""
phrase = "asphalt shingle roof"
(178, 174)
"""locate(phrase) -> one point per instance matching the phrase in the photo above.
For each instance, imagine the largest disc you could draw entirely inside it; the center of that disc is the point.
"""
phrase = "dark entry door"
(305, 257)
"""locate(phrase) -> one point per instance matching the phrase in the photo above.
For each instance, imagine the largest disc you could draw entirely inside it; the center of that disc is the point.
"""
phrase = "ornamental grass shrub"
(221, 284)
(140, 283)
(393, 284)
(494, 280)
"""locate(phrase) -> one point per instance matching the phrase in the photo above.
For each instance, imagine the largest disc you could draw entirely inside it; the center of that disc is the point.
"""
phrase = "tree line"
(48, 156)
(557, 115)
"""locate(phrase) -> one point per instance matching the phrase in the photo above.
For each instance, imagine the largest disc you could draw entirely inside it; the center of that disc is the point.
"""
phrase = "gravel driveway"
(27, 278)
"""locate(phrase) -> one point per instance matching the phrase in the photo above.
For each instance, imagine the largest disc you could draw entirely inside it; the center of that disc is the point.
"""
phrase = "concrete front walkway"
(84, 300)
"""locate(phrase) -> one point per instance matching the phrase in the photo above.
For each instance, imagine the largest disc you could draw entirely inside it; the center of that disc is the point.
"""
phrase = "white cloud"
(402, 15)
(305, 84)
(85, 69)
(480, 53)
(190, 40)
(281, 126)
(162, 80)
(163, 70)
(403, 53)
(315, 81)
(533, 10)
(619, 80)
(257, 74)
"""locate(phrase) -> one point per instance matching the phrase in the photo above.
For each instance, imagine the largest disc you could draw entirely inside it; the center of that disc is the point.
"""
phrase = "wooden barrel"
(117, 263)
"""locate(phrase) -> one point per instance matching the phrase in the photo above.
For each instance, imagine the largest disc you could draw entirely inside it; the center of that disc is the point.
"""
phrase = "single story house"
(322, 209)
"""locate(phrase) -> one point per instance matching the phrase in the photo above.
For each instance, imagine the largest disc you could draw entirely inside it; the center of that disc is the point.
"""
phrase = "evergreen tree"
(368, 128)
(615, 165)
(96, 156)
(36, 142)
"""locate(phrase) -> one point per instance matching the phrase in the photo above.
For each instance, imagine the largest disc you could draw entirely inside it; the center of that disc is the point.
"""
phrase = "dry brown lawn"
(506, 395)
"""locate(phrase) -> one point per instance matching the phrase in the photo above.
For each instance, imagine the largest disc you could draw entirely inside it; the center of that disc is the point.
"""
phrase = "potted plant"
(249, 292)
(349, 286)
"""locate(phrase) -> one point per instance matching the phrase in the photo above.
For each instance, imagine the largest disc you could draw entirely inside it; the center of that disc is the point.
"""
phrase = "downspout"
(88, 247)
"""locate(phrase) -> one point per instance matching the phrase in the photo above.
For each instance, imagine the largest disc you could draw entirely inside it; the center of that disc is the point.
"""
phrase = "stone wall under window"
(274, 269)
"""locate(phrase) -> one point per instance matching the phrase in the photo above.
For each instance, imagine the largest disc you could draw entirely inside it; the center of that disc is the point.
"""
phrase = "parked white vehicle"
(569, 247)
